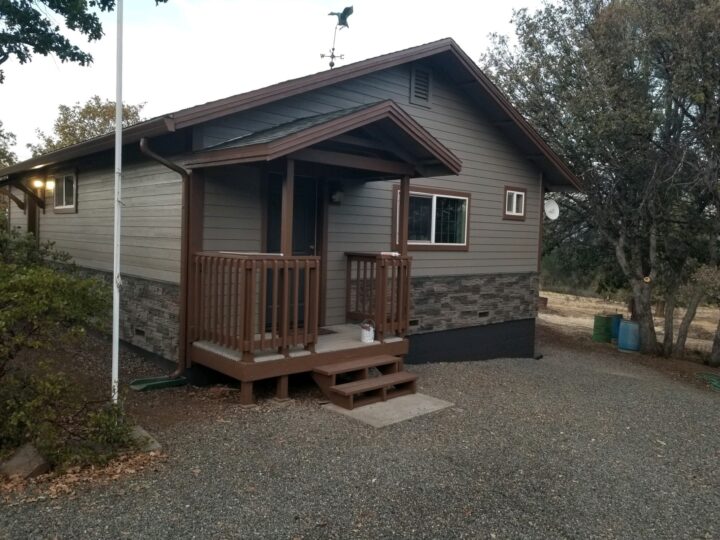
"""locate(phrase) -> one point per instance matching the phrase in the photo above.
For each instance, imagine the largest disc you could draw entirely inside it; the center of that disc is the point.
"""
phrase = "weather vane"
(342, 23)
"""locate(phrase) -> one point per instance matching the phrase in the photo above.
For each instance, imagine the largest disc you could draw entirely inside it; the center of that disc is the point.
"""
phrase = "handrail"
(257, 302)
(377, 288)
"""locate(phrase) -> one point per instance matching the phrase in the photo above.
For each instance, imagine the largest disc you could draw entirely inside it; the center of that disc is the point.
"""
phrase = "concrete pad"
(394, 410)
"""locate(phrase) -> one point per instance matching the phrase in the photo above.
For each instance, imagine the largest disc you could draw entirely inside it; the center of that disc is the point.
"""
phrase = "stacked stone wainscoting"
(149, 313)
(449, 302)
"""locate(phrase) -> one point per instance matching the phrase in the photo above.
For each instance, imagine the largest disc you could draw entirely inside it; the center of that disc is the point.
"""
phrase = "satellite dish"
(552, 210)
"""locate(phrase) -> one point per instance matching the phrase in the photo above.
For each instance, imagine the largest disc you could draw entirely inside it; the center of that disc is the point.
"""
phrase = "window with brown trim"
(64, 193)
(515, 203)
(437, 219)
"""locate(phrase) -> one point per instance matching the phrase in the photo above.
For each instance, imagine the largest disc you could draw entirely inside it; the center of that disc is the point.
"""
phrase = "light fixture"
(336, 197)
(37, 183)
(50, 185)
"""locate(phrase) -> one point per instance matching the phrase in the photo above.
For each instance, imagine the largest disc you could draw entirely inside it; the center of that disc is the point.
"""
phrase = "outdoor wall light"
(50, 185)
(336, 196)
(38, 184)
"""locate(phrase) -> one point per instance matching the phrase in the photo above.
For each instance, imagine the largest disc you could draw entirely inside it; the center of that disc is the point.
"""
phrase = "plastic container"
(602, 331)
(615, 320)
(367, 331)
(629, 336)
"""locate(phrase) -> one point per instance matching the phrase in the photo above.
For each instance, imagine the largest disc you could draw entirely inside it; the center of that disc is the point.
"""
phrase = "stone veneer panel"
(149, 313)
(447, 302)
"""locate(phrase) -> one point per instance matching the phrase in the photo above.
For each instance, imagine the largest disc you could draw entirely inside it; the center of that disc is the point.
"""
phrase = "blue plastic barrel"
(615, 324)
(629, 336)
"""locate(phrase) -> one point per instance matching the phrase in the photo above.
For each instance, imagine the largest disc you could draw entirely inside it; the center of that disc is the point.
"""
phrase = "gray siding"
(233, 210)
(18, 218)
(363, 221)
(150, 245)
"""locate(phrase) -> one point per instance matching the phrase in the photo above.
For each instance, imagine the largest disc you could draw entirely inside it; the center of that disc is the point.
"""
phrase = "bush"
(44, 300)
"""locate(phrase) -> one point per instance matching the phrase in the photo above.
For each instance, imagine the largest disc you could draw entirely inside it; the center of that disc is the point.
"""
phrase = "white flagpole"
(116, 222)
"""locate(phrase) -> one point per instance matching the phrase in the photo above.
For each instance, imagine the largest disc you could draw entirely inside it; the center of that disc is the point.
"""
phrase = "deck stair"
(351, 384)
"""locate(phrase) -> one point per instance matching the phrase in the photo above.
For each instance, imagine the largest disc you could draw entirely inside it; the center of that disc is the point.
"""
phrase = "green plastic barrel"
(602, 329)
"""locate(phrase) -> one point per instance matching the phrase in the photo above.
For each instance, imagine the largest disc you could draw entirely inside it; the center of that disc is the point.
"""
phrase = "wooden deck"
(340, 345)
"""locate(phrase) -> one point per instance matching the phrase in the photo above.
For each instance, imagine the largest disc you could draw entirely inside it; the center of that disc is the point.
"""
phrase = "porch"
(266, 295)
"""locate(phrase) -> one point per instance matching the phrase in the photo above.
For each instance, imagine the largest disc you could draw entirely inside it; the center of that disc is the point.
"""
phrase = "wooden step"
(366, 391)
(357, 365)
(358, 369)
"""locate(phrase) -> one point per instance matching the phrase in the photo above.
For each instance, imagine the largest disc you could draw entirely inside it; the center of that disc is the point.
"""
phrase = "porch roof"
(378, 137)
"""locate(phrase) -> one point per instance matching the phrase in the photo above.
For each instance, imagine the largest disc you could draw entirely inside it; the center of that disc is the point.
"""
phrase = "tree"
(590, 75)
(7, 141)
(30, 27)
(78, 123)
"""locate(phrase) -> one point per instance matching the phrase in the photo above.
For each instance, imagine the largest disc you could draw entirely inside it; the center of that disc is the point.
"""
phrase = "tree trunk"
(695, 299)
(715, 355)
(669, 327)
(642, 293)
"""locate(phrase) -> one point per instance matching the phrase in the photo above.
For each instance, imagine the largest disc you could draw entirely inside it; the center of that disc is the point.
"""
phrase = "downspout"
(184, 248)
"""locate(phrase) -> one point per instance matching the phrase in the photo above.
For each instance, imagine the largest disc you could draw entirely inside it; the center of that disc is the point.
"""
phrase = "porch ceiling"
(378, 137)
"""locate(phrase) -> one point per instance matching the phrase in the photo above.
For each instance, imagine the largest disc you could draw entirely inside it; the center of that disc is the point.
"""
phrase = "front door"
(305, 227)
(305, 215)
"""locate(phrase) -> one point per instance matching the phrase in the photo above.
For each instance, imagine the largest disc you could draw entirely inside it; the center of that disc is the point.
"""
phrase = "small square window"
(514, 203)
(65, 200)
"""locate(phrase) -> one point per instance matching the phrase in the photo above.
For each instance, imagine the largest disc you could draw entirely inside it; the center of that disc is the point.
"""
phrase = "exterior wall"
(233, 210)
(151, 220)
(150, 246)
(449, 302)
(149, 313)
(18, 218)
(363, 221)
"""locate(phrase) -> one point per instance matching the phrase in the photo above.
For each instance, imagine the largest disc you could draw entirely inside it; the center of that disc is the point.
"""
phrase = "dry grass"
(574, 314)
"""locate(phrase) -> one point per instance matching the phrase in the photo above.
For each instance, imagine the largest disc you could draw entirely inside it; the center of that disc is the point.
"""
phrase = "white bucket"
(367, 332)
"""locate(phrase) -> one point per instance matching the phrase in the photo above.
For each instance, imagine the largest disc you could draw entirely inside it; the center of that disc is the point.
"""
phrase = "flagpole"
(117, 204)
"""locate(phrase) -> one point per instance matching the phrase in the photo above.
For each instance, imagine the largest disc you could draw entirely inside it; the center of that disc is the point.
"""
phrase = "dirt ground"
(574, 314)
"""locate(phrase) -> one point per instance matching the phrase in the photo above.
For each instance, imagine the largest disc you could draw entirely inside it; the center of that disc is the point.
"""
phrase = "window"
(437, 219)
(65, 193)
(420, 86)
(514, 203)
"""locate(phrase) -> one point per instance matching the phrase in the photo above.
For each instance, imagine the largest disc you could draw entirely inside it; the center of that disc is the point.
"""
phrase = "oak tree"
(78, 123)
(30, 27)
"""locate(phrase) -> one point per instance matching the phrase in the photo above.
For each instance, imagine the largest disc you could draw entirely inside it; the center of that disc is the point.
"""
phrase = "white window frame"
(60, 180)
(433, 215)
(515, 194)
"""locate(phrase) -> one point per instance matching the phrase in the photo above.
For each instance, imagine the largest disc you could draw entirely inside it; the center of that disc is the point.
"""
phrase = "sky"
(188, 52)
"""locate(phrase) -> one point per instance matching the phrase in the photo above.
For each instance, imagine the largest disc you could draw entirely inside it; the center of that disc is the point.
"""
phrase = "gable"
(450, 115)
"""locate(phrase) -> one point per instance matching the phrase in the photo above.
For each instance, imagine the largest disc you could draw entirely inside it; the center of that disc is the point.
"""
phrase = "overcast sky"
(187, 52)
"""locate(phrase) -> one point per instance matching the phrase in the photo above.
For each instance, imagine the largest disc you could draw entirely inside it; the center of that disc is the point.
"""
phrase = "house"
(404, 189)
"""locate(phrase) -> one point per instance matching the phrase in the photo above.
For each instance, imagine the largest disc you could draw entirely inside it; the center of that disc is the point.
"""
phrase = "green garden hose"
(712, 379)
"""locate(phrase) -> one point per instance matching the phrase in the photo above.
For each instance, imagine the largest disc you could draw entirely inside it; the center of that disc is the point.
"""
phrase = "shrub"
(43, 301)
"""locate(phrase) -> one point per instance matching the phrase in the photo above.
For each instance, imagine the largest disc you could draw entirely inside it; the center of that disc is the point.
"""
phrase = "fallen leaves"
(53, 485)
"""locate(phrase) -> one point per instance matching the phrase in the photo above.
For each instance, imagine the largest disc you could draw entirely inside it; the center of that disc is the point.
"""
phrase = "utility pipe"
(117, 204)
(184, 248)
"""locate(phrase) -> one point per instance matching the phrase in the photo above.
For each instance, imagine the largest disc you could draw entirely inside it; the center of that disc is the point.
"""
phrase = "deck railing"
(255, 302)
(377, 288)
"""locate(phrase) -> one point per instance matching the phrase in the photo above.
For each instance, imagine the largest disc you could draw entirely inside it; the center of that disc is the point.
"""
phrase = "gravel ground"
(580, 444)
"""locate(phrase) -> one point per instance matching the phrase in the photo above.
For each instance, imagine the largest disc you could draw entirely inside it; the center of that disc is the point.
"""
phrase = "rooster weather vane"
(342, 22)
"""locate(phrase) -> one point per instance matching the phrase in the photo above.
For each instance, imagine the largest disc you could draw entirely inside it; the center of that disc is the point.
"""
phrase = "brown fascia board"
(148, 128)
(328, 130)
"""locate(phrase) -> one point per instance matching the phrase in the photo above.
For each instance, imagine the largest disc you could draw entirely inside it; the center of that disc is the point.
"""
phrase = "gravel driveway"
(579, 444)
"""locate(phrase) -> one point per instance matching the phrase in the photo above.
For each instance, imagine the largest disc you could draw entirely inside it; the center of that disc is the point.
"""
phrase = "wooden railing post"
(380, 280)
